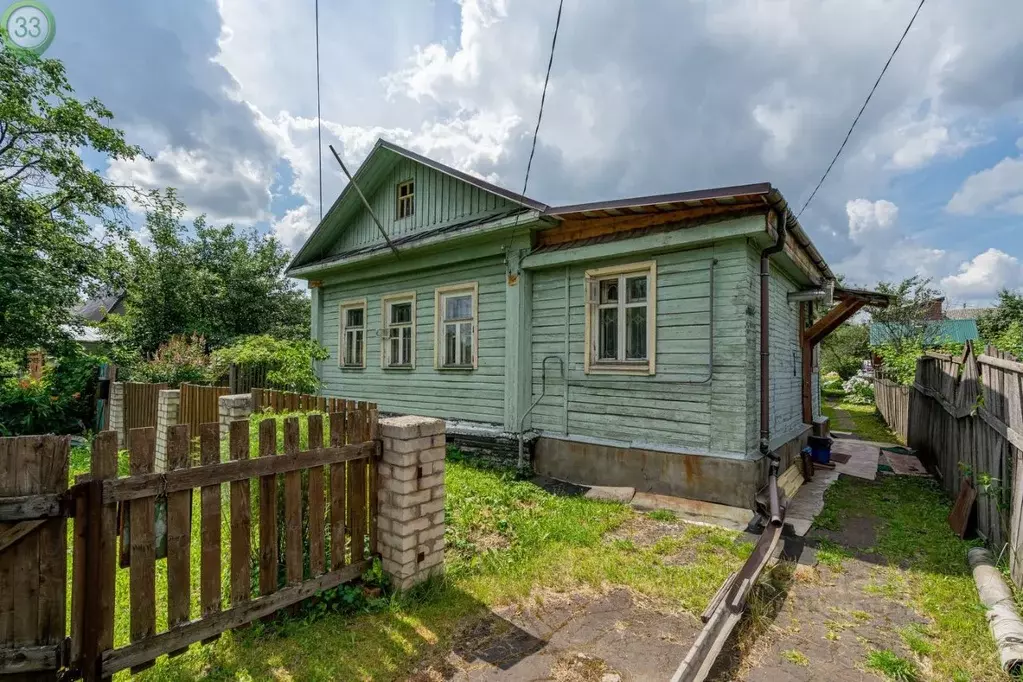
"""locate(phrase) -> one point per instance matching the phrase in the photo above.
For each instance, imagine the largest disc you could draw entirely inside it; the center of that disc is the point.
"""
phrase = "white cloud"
(868, 219)
(295, 227)
(981, 278)
(999, 187)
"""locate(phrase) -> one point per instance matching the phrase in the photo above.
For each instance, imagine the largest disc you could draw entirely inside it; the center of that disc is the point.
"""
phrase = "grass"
(796, 657)
(867, 423)
(892, 666)
(507, 540)
(831, 554)
(662, 515)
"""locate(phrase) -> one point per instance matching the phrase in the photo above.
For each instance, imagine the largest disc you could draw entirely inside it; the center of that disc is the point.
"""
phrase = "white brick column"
(233, 408)
(168, 402)
(116, 408)
(410, 499)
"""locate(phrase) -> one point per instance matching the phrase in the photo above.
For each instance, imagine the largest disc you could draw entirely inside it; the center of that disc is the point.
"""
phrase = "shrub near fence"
(966, 421)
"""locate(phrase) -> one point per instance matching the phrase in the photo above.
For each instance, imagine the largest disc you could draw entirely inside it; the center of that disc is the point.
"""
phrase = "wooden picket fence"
(892, 402)
(283, 401)
(140, 404)
(965, 419)
(200, 404)
(332, 486)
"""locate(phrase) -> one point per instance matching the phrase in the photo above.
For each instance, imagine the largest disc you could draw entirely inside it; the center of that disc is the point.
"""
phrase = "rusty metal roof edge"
(694, 195)
(774, 196)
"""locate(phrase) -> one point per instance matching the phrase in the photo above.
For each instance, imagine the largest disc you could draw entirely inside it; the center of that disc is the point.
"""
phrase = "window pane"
(607, 334)
(458, 307)
(635, 333)
(449, 345)
(406, 346)
(635, 288)
(353, 317)
(609, 291)
(358, 348)
(401, 313)
(465, 333)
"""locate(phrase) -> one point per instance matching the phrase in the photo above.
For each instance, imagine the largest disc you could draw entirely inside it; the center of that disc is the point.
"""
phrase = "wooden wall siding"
(140, 404)
(472, 395)
(439, 199)
(786, 383)
(710, 416)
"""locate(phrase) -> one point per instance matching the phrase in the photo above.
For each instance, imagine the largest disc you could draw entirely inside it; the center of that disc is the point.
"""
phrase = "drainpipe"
(781, 211)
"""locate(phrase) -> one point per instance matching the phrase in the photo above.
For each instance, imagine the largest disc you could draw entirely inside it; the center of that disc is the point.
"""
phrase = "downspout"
(781, 211)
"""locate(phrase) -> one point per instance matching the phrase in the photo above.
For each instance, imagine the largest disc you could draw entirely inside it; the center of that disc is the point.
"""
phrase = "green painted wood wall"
(476, 395)
(704, 417)
(439, 200)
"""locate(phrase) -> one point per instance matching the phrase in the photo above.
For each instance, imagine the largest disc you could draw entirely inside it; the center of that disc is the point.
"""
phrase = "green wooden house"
(621, 338)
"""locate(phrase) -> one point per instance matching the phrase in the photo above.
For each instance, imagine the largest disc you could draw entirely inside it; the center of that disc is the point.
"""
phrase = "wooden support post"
(101, 559)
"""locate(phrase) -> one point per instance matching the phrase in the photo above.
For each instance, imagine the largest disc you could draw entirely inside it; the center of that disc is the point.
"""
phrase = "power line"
(543, 97)
(319, 125)
(865, 103)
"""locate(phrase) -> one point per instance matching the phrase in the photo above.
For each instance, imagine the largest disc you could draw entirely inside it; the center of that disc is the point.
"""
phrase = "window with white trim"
(621, 318)
(456, 326)
(352, 334)
(406, 199)
(399, 346)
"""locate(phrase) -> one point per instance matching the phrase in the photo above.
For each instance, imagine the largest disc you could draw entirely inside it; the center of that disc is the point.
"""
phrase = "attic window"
(406, 199)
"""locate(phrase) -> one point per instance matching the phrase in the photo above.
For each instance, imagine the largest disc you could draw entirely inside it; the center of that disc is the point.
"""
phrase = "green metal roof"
(936, 333)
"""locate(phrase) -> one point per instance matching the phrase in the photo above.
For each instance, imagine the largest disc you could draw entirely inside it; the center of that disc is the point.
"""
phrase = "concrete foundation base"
(733, 482)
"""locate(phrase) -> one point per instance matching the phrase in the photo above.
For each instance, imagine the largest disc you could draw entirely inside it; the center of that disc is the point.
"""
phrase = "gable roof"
(966, 313)
(373, 169)
(97, 309)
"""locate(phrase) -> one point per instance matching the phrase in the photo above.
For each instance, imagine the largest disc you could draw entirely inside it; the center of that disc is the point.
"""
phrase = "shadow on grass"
(435, 625)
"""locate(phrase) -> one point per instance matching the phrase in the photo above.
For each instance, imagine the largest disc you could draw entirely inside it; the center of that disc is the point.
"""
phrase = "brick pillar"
(410, 502)
(117, 413)
(233, 408)
(167, 404)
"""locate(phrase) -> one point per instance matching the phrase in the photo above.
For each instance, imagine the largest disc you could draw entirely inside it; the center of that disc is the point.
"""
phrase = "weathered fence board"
(892, 402)
(33, 570)
(200, 404)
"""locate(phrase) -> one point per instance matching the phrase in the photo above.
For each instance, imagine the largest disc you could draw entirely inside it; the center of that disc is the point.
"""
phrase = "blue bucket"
(820, 448)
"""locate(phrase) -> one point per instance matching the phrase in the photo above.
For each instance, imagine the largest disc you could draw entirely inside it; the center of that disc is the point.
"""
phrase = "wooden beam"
(17, 532)
(830, 322)
(150, 485)
(576, 229)
(181, 636)
(27, 507)
(28, 659)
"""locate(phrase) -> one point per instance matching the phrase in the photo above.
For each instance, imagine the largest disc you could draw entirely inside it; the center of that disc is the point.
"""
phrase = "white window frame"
(593, 278)
(440, 294)
(343, 307)
(410, 197)
(385, 326)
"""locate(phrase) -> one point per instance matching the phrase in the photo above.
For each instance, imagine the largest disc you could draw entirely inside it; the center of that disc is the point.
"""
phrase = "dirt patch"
(569, 637)
(643, 531)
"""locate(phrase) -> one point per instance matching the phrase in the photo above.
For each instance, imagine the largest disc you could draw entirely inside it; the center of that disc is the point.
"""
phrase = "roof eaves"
(634, 202)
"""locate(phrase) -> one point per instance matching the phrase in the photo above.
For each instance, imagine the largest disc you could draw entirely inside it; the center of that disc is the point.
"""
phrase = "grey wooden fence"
(892, 402)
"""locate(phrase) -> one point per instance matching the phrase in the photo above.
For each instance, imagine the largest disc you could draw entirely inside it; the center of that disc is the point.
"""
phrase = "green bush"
(61, 401)
(182, 360)
(288, 364)
(1011, 339)
(900, 361)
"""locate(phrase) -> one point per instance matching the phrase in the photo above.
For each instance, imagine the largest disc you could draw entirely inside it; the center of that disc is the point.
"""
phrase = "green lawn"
(507, 540)
(868, 424)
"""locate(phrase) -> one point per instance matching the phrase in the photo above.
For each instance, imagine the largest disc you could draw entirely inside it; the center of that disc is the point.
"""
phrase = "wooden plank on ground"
(959, 517)
(292, 506)
(316, 509)
(179, 532)
(241, 521)
(142, 449)
(209, 569)
(337, 494)
(267, 511)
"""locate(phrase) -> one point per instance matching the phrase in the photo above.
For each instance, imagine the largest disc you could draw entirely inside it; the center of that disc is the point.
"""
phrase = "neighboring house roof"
(937, 332)
(384, 154)
(966, 313)
(97, 309)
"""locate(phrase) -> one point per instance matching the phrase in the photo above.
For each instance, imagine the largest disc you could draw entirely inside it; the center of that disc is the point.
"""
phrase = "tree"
(844, 350)
(60, 221)
(994, 323)
(906, 319)
(217, 282)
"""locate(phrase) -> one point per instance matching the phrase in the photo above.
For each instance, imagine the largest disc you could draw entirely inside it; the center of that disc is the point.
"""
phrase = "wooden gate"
(199, 404)
(140, 401)
(324, 536)
(33, 555)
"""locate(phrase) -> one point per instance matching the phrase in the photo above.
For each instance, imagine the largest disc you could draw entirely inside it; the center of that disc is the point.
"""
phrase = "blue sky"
(645, 97)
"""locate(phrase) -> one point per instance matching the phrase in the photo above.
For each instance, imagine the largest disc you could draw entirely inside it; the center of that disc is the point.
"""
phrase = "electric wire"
(319, 124)
(543, 97)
